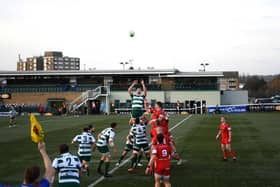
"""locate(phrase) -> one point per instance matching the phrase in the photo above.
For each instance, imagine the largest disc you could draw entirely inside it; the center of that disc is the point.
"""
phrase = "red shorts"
(162, 171)
(225, 141)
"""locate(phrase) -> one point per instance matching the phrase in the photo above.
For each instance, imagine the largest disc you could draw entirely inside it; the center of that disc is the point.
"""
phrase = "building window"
(232, 84)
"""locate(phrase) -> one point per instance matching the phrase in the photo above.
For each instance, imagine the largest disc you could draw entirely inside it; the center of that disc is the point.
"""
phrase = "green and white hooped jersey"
(137, 102)
(85, 141)
(131, 139)
(106, 135)
(68, 167)
(138, 131)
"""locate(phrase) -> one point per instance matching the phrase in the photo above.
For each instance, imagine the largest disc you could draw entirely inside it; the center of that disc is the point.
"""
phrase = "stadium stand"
(55, 89)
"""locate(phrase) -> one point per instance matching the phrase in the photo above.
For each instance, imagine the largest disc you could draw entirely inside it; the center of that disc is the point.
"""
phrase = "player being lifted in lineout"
(137, 99)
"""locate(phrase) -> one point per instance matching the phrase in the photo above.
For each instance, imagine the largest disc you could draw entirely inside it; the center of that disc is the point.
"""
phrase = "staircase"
(87, 96)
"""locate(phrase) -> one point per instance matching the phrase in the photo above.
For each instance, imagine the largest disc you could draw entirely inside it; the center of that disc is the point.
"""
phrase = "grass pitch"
(255, 140)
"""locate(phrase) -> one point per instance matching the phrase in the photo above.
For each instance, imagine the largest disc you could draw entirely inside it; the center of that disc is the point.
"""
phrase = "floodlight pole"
(123, 64)
(204, 66)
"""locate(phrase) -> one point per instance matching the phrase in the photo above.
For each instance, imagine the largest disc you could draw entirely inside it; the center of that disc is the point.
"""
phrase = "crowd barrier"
(221, 109)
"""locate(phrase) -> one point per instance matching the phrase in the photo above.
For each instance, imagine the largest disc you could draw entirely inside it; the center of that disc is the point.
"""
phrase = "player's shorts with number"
(103, 149)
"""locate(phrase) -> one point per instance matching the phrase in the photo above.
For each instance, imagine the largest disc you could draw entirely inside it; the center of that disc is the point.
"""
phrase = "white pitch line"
(175, 126)
(128, 159)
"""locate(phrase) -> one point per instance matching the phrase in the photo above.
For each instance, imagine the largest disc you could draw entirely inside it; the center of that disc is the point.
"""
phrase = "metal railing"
(88, 95)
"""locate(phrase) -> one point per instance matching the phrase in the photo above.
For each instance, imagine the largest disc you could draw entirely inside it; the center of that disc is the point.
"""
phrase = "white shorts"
(162, 177)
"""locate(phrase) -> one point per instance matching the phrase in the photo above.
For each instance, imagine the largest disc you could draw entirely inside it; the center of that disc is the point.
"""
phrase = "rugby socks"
(100, 164)
(232, 154)
(133, 161)
(122, 157)
(225, 154)
(139, 158)
(148, 157)
(107, 165)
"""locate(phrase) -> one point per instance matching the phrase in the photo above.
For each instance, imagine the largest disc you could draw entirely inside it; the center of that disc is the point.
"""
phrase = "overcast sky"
(241, 35)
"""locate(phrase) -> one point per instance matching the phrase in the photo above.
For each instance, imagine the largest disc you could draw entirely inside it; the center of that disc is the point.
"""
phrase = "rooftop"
(161, 72)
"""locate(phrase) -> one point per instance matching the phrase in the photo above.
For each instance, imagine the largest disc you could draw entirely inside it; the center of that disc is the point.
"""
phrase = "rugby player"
(105, 138)
(68, 167)
(128, 145)
(138, 131)
(159, 116)
(225, 132)
(91, 129)
(86, 143)
(137, 99)
(168, 140)
(160, 160)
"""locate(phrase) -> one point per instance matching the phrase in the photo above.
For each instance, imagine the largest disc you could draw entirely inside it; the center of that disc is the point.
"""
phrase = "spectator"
(217, 111)
(12, 118)
(32, 174)
(19, 110)
(41, 109)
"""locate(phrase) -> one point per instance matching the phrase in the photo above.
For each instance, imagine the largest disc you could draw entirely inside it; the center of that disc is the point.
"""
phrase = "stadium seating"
(15, 88)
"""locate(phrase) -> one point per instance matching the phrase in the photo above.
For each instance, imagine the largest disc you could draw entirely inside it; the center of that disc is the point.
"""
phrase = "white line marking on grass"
(100, 179)
(175, 126)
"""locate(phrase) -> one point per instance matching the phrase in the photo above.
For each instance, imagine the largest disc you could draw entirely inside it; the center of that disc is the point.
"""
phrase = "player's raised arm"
(144, 88)
(49, 171)
(130, 89)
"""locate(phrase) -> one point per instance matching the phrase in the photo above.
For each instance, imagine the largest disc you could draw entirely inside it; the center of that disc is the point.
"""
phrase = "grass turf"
(255, 140)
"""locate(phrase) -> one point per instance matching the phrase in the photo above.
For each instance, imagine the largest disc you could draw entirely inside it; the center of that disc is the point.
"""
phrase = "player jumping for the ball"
(137, 99)
(225, 132)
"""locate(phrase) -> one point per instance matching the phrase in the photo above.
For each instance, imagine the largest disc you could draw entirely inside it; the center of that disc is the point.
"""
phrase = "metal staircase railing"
(88, 95)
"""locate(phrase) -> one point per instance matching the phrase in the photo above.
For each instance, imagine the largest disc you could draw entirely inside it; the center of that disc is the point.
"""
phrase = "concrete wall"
(211, 97)
(37, 98)
(234, 97)
(123, 95)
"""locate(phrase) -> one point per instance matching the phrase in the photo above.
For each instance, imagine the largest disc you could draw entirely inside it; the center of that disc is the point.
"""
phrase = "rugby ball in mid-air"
(131, 34)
